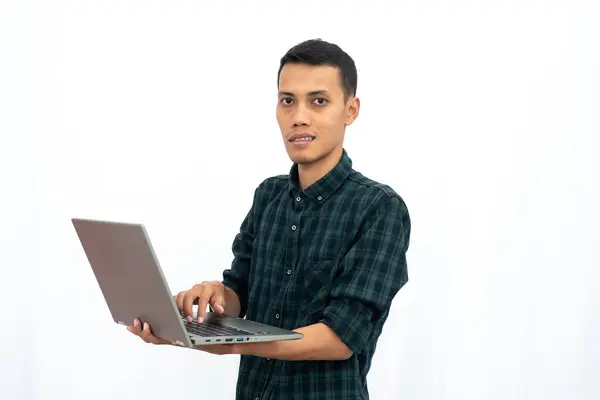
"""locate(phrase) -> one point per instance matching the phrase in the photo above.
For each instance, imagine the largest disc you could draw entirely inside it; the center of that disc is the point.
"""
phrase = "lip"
(295, 136)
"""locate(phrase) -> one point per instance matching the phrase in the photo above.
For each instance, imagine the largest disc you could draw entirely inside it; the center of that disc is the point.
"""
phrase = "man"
(322, 251)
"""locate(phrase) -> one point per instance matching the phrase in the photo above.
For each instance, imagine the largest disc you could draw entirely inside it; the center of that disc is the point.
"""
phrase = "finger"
(136, 328)
(150, 336)
(147, 335)
(144, 333)
(179, 301)
(219, 308)
(218, 303)
(203, 301)
(188, 304)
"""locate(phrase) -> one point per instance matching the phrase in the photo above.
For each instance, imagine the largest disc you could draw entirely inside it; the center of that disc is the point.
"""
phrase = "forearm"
(319, 343)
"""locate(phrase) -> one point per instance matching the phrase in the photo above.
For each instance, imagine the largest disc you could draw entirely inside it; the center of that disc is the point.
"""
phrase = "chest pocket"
(316, 281)
(324, 238)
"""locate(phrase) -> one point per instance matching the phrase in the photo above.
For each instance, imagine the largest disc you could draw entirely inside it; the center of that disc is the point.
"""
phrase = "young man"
(322, 251)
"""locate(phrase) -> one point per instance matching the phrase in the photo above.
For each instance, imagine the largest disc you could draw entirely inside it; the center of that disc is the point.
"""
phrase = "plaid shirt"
(333, 253)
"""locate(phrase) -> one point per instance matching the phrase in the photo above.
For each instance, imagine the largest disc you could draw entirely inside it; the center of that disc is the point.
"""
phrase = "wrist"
(232, 301)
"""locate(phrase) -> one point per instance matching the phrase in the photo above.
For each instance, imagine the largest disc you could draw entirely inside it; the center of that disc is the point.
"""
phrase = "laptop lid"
(130, 277)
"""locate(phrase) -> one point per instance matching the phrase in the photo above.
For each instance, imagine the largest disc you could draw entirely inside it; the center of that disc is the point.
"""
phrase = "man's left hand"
(145, 333)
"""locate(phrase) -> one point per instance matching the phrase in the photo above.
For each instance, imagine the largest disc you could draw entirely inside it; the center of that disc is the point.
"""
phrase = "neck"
(311, 173)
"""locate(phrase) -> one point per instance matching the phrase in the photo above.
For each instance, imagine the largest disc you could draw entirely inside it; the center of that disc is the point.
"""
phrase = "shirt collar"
(322, 189)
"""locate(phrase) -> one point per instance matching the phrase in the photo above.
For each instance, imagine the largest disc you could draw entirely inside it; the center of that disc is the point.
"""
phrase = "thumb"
(218, 304)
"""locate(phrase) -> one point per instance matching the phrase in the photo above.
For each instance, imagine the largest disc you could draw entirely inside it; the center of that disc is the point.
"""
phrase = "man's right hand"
(202, 294)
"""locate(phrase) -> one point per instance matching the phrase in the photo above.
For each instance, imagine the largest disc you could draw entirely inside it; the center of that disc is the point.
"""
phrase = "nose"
(301, 116)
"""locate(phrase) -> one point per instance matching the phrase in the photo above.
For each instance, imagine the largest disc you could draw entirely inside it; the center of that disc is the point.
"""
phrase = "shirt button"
(293, 227)
(298, 198)
(276, 316)
(289, 271)
(320, 198)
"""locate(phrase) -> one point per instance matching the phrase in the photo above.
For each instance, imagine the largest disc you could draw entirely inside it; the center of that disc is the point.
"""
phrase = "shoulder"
(270, 188)
(273, 184)
(382, 206)
(379, 195)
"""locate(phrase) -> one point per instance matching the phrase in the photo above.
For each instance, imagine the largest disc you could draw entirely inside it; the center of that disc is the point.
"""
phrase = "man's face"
(311, 111)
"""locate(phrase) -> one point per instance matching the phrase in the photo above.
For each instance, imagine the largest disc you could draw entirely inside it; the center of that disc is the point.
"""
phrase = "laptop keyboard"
(213, 330)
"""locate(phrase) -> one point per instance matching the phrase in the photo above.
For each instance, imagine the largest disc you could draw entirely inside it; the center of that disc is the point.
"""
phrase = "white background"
(483, 115)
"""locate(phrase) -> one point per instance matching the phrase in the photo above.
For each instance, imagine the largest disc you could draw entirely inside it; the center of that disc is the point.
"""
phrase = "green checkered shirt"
(333, 253)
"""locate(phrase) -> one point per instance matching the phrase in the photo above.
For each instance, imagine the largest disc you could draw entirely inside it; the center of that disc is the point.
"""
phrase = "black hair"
(319, 52)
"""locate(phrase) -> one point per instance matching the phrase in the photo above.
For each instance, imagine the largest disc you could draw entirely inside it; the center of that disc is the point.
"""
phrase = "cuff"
(351, 321)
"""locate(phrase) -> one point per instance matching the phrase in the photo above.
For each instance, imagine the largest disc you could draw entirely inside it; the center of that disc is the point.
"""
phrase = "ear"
(352, 110)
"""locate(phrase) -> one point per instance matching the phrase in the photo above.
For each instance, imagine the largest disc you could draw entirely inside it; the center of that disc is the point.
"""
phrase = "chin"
(303, 157)
(308, 156)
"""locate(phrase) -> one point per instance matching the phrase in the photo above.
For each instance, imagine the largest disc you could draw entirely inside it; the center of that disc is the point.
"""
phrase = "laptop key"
(213, 330)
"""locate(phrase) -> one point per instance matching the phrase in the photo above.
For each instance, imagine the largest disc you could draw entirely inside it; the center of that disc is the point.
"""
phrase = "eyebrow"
(313, 93)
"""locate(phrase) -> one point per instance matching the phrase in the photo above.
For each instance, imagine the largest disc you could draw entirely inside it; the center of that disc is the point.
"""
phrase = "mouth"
(302, 139)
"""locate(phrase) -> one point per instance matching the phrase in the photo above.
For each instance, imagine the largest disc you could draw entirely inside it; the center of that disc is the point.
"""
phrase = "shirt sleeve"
(370, 275)
(236, 277)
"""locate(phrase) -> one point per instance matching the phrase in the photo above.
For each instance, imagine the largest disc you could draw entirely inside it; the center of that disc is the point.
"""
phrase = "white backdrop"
(482, 115)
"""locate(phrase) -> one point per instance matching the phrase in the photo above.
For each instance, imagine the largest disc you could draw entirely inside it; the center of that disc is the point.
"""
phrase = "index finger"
(188, 304)
(202, 304)
(176, 300)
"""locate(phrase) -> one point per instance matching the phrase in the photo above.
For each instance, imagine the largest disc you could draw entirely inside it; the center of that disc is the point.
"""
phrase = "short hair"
(319, 52)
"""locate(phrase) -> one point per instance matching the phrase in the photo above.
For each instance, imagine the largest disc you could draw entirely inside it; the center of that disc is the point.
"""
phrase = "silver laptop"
(133, 285)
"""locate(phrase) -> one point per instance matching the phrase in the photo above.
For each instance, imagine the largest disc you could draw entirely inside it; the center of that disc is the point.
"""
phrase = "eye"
(321, 101)
(286, 101)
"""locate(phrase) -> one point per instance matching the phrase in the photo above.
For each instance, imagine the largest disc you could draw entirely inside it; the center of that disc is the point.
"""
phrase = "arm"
(235, 278)
(228, 296)
(319, 343)
(372, 272)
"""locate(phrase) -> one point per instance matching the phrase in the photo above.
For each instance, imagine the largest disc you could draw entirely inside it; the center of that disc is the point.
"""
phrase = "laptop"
(133, 285)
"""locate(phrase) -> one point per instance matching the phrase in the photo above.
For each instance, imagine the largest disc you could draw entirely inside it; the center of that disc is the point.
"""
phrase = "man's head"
(316, 99)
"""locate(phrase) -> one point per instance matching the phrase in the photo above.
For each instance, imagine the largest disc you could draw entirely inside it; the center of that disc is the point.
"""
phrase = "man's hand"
(222, 300)
(145, 333)
(213, 293)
